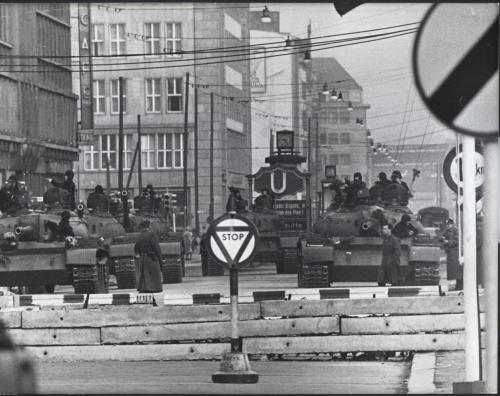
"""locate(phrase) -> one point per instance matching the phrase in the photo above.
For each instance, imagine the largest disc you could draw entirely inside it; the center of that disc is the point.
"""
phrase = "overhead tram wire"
(283, 51)
(214, 62)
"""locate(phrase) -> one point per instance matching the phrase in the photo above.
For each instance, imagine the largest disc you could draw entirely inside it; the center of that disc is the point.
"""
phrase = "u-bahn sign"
(455, 64)
(232, 240)
(280, 180)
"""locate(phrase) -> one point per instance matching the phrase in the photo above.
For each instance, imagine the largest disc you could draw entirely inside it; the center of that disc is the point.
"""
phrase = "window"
(345, 159)
(152, 33)
(99, 97)
(117, 39)
(174, 39)
(174, 94)
(333, 138)
(322, 138)
(345, 138)
(153, 95)
(115, 96)
(344, 117)
(97, 39)
(170, 150)
(148, 151)
(127, 151)
(90, 158)
(333, 159)
(108, 151)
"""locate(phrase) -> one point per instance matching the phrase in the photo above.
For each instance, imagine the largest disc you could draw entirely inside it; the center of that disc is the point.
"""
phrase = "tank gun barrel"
(24, 231)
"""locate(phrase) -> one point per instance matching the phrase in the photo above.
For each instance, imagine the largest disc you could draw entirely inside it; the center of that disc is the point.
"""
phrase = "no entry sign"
(455, 62)
(232, 240)
(452, 172)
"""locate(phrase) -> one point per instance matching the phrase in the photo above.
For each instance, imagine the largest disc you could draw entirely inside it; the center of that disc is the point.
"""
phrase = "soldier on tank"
(63, 229)
(264, 200)
(69, 185)
(9, 196)
(97, 200)
(353, 190)
(235, 202)
(404, 229)
(397, 192)
(378, 187)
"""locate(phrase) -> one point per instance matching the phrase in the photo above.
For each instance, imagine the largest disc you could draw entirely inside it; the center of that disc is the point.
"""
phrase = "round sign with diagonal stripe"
(232, 240)
(455, 64)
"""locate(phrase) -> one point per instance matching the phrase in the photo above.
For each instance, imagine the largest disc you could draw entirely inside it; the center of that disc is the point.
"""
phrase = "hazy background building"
(38, 110)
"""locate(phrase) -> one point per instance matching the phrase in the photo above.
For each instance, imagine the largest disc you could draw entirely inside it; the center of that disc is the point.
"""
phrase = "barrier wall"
(144, 332)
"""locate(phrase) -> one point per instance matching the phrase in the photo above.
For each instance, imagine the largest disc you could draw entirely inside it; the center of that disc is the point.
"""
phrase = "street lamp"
(288, 42)
(334, 94)
(307, 56)
(349, 106)
(339, 96)
(325, 90)
(266, 17)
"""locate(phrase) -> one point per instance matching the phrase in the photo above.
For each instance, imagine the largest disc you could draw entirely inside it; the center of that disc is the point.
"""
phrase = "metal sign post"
(455, 64)
(232, 241)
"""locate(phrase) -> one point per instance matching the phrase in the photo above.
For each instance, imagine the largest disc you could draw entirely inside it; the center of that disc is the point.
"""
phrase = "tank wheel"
(125, 274)
(213, 268)
(315, 275)
(426, 273)
(90, 279)
(171, 269)
(289, 261)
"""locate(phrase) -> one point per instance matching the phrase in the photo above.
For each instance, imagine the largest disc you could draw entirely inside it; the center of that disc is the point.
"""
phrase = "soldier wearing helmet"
(397, 178)
(69, 185)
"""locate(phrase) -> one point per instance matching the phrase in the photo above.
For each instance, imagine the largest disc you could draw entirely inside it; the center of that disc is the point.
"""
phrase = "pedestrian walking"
(450, 244)
(187, 239)
(389, 270)
(147, 261)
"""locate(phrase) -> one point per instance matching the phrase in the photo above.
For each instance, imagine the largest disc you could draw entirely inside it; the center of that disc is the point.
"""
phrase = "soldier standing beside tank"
(389, 270)
(148, 258)
(68, 185)
(450, 244)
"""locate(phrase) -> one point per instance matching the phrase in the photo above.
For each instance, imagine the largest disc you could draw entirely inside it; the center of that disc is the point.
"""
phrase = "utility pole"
(309, 142)
(139, 153)
(211, 207)
(126, 222)
(185, 153)
(316, 168)
(196, 190)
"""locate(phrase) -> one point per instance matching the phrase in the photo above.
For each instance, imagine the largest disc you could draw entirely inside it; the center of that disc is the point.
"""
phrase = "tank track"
(214, 269)
(171, 269)
(313, 275)
(427, 273)
(125, 274)
(90, 279)
(288, 261)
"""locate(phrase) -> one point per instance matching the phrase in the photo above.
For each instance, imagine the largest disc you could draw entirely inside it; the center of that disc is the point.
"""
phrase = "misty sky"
(382, 68)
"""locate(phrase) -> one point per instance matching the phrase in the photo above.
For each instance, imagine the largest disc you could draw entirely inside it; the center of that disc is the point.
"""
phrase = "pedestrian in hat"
(147, 261)
(450, 244)
(69, 185)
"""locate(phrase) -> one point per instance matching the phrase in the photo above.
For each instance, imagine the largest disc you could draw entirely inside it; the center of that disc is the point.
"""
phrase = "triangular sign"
(232, 241)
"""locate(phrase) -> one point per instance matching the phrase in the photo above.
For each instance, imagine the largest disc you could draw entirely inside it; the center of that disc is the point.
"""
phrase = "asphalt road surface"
(195, 377)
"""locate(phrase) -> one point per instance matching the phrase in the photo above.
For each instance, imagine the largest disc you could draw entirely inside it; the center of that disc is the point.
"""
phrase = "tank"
(346, 245)
(122, 248)
(433, 219)
(32, 259)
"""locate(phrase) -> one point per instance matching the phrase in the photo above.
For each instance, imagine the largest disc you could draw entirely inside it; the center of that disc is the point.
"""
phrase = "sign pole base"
(235, 369)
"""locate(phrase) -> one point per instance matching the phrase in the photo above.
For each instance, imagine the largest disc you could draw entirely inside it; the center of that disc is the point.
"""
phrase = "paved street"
(277, 377)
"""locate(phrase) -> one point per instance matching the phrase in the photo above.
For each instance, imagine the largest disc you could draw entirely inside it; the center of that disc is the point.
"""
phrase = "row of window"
(170, 42)
(336, 159)
(158, 151)
(334, 138)
(153, 95)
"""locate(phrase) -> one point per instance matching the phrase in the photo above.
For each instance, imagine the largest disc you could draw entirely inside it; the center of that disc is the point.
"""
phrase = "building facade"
(154, 48)
(38, 110)
(338, 124)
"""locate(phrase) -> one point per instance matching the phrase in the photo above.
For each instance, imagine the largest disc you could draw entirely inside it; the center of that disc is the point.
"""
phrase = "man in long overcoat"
(147, 261)
(389, 271)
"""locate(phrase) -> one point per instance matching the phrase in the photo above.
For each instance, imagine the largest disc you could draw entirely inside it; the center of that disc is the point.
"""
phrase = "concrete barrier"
(170, 332)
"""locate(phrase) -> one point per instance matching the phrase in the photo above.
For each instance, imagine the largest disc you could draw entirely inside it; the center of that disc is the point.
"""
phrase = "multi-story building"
(429, 187)
(279, 90)
(338, 124)
(153, 47)
(38, 110)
